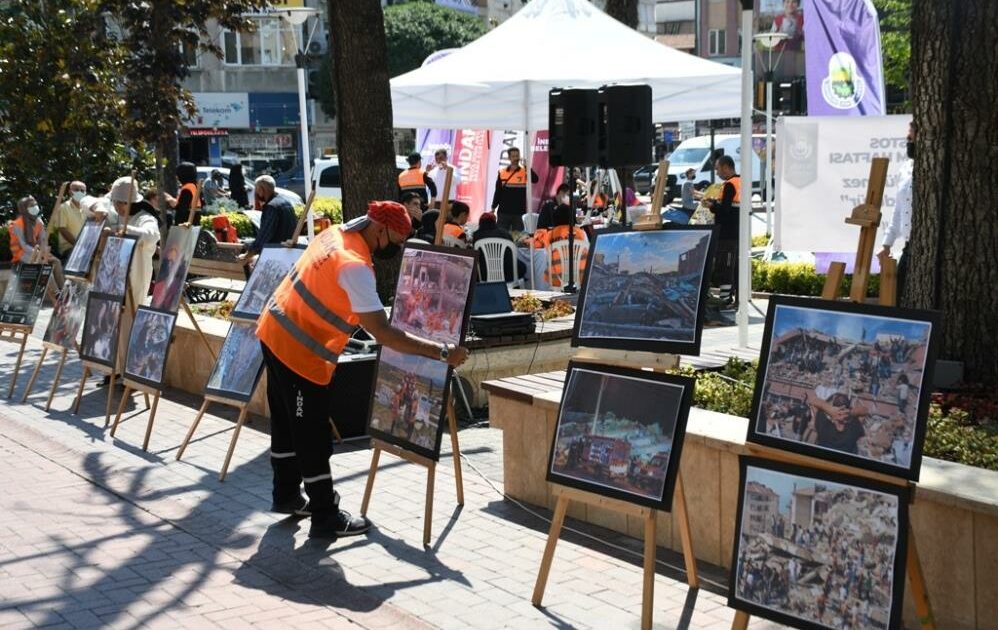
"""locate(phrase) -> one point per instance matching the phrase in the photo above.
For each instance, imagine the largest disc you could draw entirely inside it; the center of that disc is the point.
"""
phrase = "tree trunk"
(624, 11)
(364, 113)
(953, 250)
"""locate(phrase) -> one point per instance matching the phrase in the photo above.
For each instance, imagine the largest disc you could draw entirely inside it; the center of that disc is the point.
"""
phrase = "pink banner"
(548, 177)
(471, 153)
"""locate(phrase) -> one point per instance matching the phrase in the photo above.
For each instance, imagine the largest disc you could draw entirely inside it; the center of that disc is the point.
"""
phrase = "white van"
(326, 180)
(694, 153)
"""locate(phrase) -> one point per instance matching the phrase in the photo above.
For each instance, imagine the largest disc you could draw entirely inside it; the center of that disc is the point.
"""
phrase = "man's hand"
(457, 356)
(884, 253)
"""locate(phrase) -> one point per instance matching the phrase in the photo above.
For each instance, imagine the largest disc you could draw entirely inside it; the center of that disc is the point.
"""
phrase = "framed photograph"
(148, 345)
(273, 264)
(67, 316)
(620, 433)
(175, 259)
(645, 290)
(24, 294)
(100, 330)
(432, 300)
(818, 550)
(846, 382)
(112, 269)
(82, 256)
(239, 364)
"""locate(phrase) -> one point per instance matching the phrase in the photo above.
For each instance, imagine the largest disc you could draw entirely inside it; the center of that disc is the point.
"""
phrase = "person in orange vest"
(415, 179)
(454, 228)
(302, 331)
(510, 197)
(545, 238)
(188, 198)
(28, 241)
(727, 211)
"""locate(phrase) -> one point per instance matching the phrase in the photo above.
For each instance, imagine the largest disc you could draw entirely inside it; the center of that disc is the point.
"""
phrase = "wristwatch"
(444, 352)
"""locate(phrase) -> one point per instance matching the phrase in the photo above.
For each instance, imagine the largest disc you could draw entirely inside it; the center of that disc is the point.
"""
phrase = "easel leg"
(336, 432)
(17, 366)
(740, 621)
(556, 524)
(683, 521)
(152, 417)
(456, 451)
(190, 432)
(121, 409)
(146, 397)
(34, 375)
(833, 281)
(232, 444)
(431, 473)
(197, 327)
(375, 457)
(109, 392)
(79, 391)
(648, 592)
(55, 380)
(916, 580)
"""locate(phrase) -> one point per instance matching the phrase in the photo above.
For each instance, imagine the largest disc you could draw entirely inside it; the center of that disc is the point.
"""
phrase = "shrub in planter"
(954, 437)
(244, 227)
(327, 207)
(798, 279)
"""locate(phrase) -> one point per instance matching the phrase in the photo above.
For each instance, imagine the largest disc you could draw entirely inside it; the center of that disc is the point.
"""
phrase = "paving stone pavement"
(94, 532)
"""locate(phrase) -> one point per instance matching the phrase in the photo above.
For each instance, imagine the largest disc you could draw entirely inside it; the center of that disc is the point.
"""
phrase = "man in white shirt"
(899, 224)
(438, 172)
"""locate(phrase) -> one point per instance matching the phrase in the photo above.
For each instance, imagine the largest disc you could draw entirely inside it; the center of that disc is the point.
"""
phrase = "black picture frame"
(246, 310)
(140, 336)
(757, 431)
(22, 299)
(762, 505)
(107, 265)
(679, 416)
(81, 259)
(171, 277)
(688, 344)
(241, 337)
(68, 315)
(106, 329)
(427, 367)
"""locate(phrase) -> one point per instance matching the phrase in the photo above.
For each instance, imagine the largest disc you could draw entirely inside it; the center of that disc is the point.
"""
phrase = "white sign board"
(221, 110)
(823, 164)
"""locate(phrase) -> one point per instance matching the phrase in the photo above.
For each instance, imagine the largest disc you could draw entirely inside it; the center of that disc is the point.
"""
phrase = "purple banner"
(845, 74)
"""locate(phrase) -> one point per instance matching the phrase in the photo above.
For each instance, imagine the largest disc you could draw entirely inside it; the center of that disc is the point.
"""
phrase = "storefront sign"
(221, 109)
(207, 132)
(258, 141)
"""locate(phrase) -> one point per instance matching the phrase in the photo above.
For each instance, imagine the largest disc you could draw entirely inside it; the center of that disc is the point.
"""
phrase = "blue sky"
(783, 484)
(640, 250)
(846, 325)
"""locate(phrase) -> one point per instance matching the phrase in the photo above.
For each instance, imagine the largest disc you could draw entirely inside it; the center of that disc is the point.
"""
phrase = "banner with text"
(823, 164)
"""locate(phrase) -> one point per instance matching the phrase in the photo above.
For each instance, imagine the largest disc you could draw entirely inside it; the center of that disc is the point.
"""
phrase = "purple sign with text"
(845, 75)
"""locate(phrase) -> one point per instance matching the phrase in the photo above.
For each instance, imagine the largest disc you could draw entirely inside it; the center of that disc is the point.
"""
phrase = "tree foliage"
(415, 30)
(895, 41)
(59, 109)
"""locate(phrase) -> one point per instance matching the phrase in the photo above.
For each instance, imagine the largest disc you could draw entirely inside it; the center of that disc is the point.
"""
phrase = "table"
(226, 285)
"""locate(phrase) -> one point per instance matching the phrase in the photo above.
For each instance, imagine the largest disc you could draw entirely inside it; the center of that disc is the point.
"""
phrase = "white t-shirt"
(439, 176)
(358, 281)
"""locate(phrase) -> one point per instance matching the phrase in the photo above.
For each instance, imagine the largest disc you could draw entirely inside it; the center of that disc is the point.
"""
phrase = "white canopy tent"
(502, 79)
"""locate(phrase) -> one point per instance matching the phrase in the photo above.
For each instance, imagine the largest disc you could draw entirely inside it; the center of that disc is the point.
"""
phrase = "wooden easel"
(438, 237)
(657, 363)
(11, 332)
(653, 220)
(867, 216)
(63, 353)
(429, 464)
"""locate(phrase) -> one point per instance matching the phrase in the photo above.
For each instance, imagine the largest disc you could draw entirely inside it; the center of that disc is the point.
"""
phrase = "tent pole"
(528, 152)
(745, 207)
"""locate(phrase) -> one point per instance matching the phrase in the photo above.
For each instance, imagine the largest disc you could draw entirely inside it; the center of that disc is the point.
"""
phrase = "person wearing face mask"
(27, 238)
(69, 217)
(900, 221)
(277, 219)
(308, 321)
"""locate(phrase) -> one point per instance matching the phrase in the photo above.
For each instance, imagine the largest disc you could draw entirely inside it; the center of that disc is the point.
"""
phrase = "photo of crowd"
(619, 433)
(644, 289)
(67, 316)
(818, 552)
(82, 254)
(22, 299)
(100, 330)
(112, 270)
(410, 392)
(273, 264)
(148, 345)
(175, 259)
(839, 383)
(432, 294)
(239, 364)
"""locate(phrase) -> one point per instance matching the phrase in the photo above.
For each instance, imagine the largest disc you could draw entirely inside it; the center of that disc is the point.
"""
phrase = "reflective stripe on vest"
(411, 179)
(309, 298)
(513, 180)
(736, 181)
(300, 335)
(195, 197)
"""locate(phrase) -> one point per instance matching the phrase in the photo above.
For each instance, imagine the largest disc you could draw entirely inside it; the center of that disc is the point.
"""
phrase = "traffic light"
(798, 96)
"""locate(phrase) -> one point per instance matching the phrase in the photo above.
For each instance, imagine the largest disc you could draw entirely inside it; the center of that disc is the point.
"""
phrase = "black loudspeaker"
(572, 132)
(350, 393)
(625, 126)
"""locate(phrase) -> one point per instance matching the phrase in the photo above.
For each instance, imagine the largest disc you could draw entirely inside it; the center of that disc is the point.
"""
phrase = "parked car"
(204, 172)
(326, 176)
(643, 178)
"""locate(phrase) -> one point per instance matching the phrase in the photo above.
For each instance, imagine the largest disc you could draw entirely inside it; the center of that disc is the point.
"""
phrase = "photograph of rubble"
(620, 432)
(818, 550)
(645, 290)
(845, 382)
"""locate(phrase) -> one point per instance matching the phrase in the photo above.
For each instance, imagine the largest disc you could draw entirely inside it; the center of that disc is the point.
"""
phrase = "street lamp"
(296, 17)
(769, 41)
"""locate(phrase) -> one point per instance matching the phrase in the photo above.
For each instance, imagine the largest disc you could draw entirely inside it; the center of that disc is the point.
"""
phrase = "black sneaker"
(342, 524)
(297, 506)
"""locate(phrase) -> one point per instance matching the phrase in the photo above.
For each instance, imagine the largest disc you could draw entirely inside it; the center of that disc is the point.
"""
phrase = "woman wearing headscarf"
(188, 199)
(237, 186)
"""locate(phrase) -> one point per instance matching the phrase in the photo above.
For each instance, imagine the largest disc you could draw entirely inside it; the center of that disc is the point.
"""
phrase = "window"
(189, 53)
(330, 177)
(272, 44)
(675, 28)
(716, 42)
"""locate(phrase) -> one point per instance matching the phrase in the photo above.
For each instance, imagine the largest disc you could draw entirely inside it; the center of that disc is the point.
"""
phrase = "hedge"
(798, 279)
(327, 207)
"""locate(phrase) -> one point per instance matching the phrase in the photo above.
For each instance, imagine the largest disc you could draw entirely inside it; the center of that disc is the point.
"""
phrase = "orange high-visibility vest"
(736, 181)
(516, 179)
(455, 231)
(553, 273)
(195, 197)
(19, 239)
(411, 180)
(308, 320)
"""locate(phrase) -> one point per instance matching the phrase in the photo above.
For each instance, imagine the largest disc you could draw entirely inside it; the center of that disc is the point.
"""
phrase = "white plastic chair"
(450, 241)
(530, 222)
(494, 251)
(580, 249)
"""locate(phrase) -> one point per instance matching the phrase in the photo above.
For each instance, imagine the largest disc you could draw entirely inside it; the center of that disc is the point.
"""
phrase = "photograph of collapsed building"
(818, 550)
(432, 293)
(270, 270)
(620, 432)
(409, 398)
(645, 291)
(846, 383)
